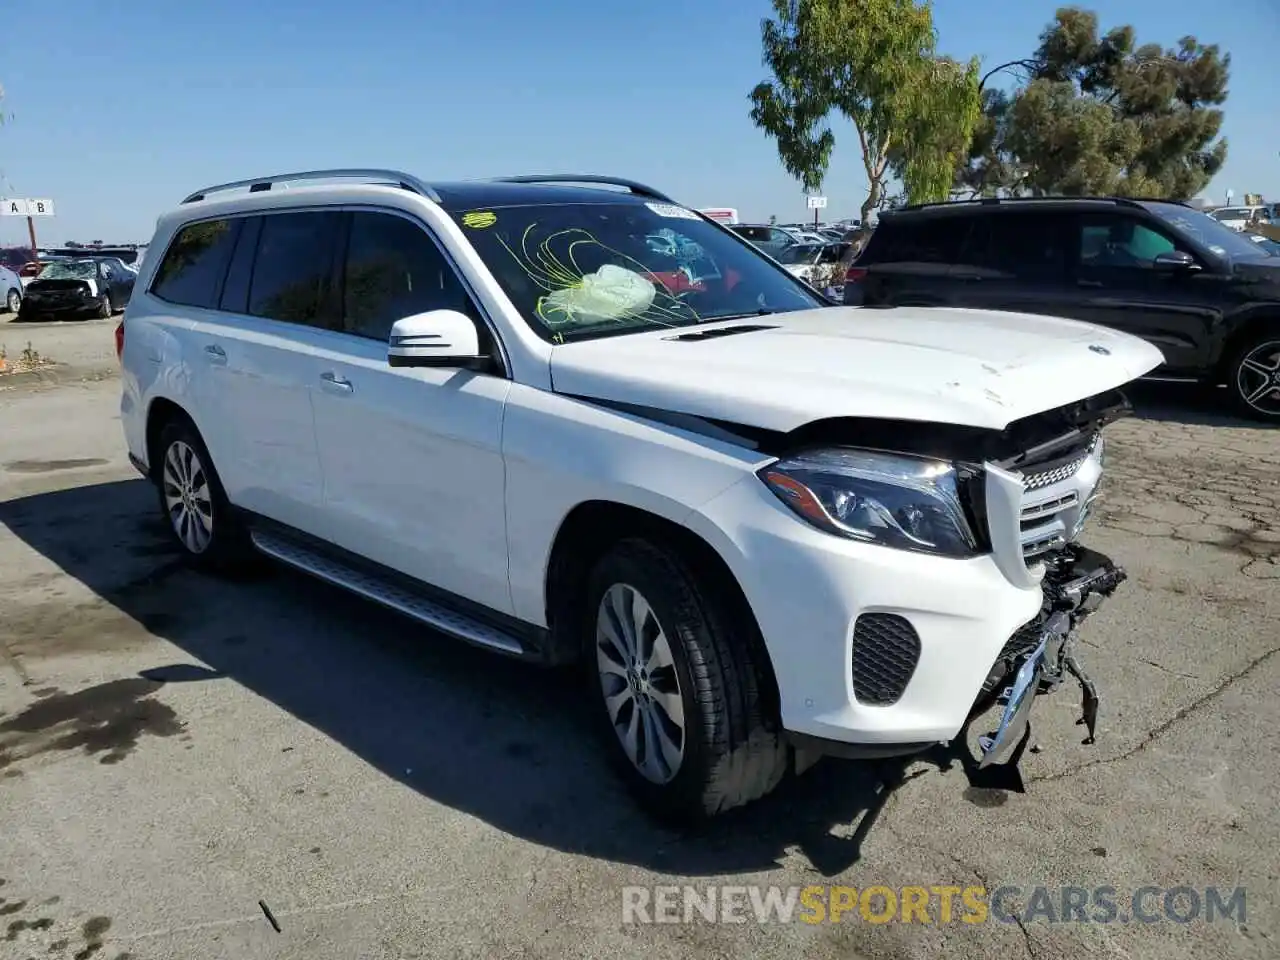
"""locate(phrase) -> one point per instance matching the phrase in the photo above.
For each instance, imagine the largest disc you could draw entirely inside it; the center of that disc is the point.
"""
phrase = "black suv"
(1207, 296)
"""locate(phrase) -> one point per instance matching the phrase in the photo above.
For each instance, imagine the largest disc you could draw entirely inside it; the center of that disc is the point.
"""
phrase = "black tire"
(1247, 372)
(731, 754)
(105, 309)
(228, 550)
(13, 301)
(27, 315)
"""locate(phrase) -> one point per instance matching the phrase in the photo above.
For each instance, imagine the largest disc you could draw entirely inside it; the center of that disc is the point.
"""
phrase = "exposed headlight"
(893, 500)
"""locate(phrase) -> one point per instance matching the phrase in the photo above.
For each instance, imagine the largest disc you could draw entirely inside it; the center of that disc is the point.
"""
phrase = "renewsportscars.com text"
(936, 904)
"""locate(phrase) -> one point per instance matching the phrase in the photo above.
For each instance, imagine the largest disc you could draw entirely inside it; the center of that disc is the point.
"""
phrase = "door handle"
(215, 354)
(332, 381)
(1088, 283)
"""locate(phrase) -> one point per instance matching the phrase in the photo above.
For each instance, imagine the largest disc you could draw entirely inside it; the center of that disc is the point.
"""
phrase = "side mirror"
(1174, 261)
(437, 338)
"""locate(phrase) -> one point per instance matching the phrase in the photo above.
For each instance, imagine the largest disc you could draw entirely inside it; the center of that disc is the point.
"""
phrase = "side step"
(380, 590)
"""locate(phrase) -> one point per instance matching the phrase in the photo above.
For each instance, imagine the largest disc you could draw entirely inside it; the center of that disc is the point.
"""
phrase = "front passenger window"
(395, 270)
(1110, 240)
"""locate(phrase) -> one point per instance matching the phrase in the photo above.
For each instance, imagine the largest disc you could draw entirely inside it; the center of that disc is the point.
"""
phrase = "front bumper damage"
(1040, 656)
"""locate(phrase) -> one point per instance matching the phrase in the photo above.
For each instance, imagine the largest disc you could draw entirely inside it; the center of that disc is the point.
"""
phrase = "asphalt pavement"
(188, 764)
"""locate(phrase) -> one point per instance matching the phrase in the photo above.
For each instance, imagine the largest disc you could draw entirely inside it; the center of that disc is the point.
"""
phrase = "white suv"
(586, 425)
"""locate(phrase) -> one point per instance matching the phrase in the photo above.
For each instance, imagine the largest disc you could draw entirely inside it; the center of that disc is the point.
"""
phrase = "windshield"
(1199, 226)
(584, 270)
(69, 270)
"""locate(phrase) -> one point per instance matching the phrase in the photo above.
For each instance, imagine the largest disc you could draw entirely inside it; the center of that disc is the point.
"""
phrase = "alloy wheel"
(15, 301)
(187, 498)
(1258, 378)
(640, 684)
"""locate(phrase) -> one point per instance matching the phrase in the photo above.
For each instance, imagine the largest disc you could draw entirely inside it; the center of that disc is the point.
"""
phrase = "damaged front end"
(1034, 508)
(1041, 654)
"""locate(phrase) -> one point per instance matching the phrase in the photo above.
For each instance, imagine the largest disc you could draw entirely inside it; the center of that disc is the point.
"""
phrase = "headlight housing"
(894, 500)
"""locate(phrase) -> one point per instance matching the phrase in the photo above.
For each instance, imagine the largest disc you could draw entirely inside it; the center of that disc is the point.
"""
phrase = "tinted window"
(192, 269)
(1023, 244)
(755, 234)
(921, 240)
(394, 270)
(235, 290)
(293, 269)
(1115, 240)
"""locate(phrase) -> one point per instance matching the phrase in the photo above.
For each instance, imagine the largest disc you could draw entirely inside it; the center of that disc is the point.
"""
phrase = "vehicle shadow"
(1188, 403)
(503, 741)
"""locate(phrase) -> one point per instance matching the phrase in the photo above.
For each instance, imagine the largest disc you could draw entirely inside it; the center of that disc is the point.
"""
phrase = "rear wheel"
(104, 306)
(1255, 379)
(677, 693)
(198, 516)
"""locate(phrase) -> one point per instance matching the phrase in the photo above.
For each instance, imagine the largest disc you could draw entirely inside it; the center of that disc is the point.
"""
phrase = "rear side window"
(919, 240)
(293, 269)
(394, 270)
(195, 262)
(235, 290)
(1022, 244)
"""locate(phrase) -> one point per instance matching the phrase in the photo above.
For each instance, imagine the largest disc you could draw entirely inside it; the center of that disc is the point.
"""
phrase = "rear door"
(1016, 259)
(910, 262)
(258, 348)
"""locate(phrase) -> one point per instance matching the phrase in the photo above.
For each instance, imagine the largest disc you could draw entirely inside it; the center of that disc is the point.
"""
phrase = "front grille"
(886, 649)
(1046, 478)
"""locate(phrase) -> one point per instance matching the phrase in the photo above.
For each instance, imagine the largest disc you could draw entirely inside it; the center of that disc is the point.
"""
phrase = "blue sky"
(128, 106)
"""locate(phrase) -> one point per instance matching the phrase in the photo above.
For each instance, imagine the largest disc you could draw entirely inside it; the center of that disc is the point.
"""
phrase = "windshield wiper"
(722, 332)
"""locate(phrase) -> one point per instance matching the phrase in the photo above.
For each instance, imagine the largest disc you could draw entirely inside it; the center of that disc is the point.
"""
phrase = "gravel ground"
(174, 750)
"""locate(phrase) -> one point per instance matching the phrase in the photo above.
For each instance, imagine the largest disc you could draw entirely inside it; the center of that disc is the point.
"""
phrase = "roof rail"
(259, 184)
(632, 186)
(1000, 201)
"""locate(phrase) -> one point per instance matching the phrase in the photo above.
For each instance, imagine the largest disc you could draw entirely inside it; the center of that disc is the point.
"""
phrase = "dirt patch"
(106, 721)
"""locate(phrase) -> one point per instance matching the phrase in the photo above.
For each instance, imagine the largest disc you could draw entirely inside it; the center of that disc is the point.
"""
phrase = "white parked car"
(580, 424)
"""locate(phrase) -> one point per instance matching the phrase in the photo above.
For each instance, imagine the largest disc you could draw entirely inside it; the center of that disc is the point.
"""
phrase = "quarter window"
(395, 270)
(293, 269)
(192, 269)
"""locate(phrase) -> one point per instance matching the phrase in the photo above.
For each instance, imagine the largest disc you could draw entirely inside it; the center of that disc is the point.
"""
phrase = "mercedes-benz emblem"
(1098, 348)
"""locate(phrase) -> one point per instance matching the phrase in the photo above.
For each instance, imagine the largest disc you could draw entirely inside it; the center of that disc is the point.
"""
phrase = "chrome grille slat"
(1048, 511)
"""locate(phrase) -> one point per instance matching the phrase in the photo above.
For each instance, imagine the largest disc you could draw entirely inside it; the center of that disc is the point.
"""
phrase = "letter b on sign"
(39, 207)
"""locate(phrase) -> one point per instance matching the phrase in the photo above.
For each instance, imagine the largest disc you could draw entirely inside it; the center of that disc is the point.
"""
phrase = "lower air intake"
(886, 649)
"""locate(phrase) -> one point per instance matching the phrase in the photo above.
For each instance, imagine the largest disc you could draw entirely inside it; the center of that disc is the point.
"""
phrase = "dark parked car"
(772, 240)
(1206, 295)
(83, 287)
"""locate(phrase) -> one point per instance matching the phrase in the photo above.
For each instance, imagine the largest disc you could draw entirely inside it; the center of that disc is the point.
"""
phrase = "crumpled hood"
(976, 368)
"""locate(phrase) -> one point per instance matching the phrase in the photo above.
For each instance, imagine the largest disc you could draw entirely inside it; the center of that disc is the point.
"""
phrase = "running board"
(379, 590)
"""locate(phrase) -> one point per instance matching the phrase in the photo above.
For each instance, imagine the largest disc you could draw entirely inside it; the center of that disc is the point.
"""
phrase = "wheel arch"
(590, 528)
(161, 411)
(1250, 327)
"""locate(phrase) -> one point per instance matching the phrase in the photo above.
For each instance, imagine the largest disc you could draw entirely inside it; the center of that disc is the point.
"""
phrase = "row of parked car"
(68, 286)
(805, 251)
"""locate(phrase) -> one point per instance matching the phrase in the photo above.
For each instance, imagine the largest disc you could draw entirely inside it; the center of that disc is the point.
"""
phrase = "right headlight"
(895, 500)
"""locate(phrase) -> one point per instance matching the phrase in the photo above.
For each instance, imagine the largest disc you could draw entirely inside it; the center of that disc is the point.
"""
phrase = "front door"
(412, 458)
(1119, 285)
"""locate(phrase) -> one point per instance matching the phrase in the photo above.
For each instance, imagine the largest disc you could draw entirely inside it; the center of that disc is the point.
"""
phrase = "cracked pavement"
(179, 756)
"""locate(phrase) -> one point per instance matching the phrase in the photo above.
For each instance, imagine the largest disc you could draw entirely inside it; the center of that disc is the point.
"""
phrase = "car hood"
(970, 367)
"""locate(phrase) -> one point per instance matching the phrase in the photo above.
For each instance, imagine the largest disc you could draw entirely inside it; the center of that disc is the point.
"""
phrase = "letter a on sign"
(13, 208)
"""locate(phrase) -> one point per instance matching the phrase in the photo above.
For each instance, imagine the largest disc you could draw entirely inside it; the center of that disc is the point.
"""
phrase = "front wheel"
(677, 693)
(13, 301)
(1255, 379)
(104, 307)
(195, 507)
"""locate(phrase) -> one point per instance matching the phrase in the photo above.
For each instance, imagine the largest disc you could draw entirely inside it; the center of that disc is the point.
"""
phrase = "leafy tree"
(1099, 114)
(872, 62)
